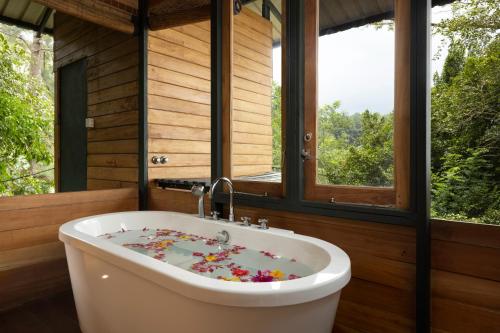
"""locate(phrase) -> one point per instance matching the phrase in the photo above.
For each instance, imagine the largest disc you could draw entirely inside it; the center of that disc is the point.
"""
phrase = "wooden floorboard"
(56, 314)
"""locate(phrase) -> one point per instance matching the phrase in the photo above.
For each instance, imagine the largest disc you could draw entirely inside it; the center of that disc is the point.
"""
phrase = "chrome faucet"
(199, 191)
(231, 193)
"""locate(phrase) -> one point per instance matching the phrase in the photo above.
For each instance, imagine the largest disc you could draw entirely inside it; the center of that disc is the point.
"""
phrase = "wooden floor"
(56, 314)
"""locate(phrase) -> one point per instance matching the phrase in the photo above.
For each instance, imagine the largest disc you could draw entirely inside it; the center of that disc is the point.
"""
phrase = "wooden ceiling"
(335, 15)
(160, 7)
(165, 14)
(26, 14)
(38, 14)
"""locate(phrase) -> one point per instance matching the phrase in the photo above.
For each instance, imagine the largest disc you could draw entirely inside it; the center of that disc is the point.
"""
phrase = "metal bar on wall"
(294, 53)
(24, 25)
(420, 157)
(216, 90)
(266, 10)
(142, 34)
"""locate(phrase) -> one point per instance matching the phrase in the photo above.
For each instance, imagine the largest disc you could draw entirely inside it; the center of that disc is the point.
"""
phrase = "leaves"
(276, 126)
(473, 24)
(354, 149)
(26, 130)
(466, 117)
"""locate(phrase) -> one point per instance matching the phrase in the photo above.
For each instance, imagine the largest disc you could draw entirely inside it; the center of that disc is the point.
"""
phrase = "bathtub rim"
(327, 281)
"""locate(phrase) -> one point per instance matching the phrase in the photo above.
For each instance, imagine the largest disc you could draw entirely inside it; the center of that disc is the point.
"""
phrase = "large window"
(355, 138)
(253, 151)
(26, 112)
(356, 112)
(465, 137)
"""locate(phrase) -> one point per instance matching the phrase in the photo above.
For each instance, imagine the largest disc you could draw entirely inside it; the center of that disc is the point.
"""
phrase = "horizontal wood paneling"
(178, 146)
(25, 283)
(465, 277)
(113, 147)
(32, 261)
(161, 103)
(113, 160)
(175, 200)
(113, 133)
(179, 98)
(112, 87)
(179, 160)
(179, 102)
(178, 133)
(180, 52)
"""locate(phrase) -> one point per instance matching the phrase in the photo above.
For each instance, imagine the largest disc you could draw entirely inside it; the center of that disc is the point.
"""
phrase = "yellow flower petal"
(277, 274)
(234, 279)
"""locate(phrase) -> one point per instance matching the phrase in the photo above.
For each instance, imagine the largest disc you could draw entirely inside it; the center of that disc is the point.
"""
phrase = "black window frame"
(293, 200)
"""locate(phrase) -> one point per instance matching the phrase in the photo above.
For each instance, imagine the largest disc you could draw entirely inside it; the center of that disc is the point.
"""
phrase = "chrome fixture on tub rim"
(231, 194)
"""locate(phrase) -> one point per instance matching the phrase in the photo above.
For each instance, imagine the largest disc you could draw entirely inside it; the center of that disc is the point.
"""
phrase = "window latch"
(306, 154)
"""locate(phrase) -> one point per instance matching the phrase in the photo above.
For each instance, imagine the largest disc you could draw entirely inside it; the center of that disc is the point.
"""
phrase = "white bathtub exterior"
(119, 290)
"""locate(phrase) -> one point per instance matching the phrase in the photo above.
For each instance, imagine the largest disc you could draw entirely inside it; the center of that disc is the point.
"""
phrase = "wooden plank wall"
(381, 294)
(112, 87)
(252, 79)
(179, 98)
(465, 277)
(32, 260)
(179, 101)
(114, 14)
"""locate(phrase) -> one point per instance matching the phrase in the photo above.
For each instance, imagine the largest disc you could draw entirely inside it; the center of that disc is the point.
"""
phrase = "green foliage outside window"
(354, 149)
(26, 126)
(276, 126)
(466, 116)
(357, 149)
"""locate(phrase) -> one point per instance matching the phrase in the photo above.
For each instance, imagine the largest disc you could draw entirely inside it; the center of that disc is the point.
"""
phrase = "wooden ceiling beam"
(95, 11)
(180, 17)
(159, 7)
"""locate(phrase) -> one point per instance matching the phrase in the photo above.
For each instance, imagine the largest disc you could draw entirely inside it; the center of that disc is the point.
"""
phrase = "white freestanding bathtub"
(118, 290)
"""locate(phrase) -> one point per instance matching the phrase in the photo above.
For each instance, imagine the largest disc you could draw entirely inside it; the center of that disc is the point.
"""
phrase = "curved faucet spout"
(231, 193)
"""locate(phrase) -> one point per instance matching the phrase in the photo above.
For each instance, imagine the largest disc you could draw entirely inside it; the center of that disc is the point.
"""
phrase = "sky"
(357, 67)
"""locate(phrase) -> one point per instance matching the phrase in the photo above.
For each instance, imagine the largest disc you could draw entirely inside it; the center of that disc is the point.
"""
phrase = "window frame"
(255, 188)
(293, 179)
(397, 195)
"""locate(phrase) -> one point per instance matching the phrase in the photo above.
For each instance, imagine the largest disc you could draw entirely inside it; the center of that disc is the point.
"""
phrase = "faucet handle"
(215, 215)
(263, 223)
(246, 221)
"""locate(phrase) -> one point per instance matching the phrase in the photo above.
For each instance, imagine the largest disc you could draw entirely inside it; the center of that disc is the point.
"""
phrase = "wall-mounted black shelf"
(182, 184)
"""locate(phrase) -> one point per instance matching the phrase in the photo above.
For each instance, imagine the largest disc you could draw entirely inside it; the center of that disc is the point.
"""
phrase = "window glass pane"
(465, 137)
(256, 117)
(355, 117)
(26, 112)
